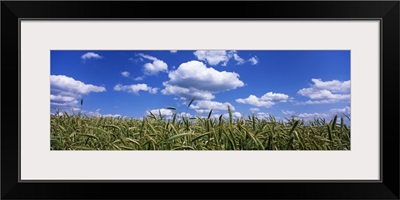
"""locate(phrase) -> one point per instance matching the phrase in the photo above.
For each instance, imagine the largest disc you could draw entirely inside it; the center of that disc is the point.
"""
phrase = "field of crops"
(156, 132)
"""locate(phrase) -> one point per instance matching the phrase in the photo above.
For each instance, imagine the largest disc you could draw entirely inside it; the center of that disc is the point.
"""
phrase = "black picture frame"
(386, 11)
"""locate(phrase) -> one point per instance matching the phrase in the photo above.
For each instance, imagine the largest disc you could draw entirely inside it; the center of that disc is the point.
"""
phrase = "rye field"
(157, 132)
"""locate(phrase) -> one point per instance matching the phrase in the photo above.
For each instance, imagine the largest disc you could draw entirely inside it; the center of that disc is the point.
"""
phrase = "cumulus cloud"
(254, 109)
(325, 92)
(98, 114)
(313, 93)
(345, 110)
(62, 98)
(135, 88)
(147, 56)
(90, 55)
(267, 100)
(270, 96)
(194, 79)
(262, 115)
(288, 112)
(65, 91)
(136, 60)
(163, 111)
(216, 115)
(61, 84)
(311, 102)
(238, 59)
(206, 106)
(112, 115)
(235, 115)
(333, 86)
(253, 60)
(215, 57)
(196, 74)
(201, 111)
(155, 67)
(187, 92)
(312, 115)
(255, 101)
(125, 74)
(139, 78)
(59, 100)
(65, 85)
(153, 90)
(128, 75)
(184, 114)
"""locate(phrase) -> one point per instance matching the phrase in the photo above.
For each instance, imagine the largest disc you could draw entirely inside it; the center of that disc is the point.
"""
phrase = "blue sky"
(305, 84)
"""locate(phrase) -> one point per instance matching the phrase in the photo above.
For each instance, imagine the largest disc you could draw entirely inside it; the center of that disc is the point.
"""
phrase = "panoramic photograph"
(259, 100)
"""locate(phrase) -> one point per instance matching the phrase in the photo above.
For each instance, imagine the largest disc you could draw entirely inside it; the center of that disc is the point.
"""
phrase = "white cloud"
(333, 86)
(255, 101)
(62, 101)
(312, 115)
(206, 106)
(65, 91)
(316, 94)
(270, 96)
(135, 60)
(201, 111)
(147, 56)
(135, 88)
(194, 80)
(288, 112)
(163, 111)
(112, 115)
(311, 102)
(254, 109)
(62, 98)
(125, 74)
(196, 74)
(62, 104)
(267, 100)
(262, 115)
(173, 51)
(184, 114)
(215, 57)
(155, 67)
(238, 59)
(345, 110)
(325, 92)
(153, 90)
(253, 60)
(66, 84)
(216, 115)
(98, 114)
(90, 55)
(235, 115)
(187, 92)
(139, 78)
(88, 113)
